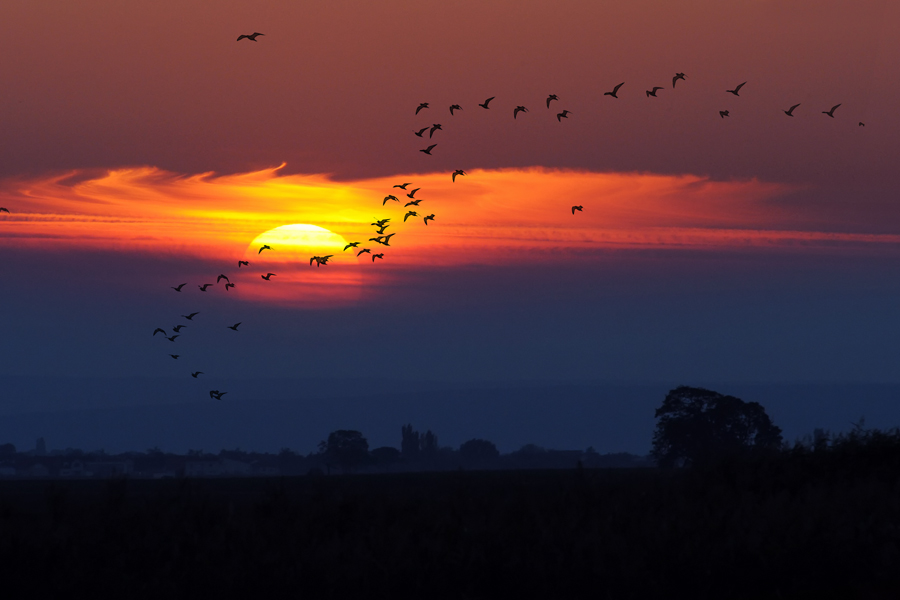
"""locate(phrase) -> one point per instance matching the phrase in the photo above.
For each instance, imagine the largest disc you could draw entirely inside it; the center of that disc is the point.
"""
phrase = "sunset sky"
(143, 147)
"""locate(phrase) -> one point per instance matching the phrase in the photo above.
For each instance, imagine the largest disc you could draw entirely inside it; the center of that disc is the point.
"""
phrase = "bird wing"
(834, 107)
(738, 88)
(431, 146)
(488, 101)
(242, 37)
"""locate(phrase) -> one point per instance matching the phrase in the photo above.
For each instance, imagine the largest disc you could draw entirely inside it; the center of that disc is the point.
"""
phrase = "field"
(788, 528)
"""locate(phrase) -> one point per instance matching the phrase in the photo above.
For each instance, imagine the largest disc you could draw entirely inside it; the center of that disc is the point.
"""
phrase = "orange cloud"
(486, 217)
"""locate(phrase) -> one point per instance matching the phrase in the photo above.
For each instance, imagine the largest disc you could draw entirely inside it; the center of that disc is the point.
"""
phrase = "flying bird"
(221, 277)
(653, 91)
(563, 115)
(252, 37)
(790, 112)
(175, 355)
(351, 245)
(518, 109)
(216, 394)
(830, 113)
(677, 77)
(265, 247)
(320, 260)
(412, 194)
(267, 275)
(454, 107)
(615, 91)
(421, 131)
(379, 222)
(428, 149)
(402, 186)
(194, 374)
(363, 250)
(204, 286)
(191, 316)
(457, 172)
(861, 124)
(578, 208)
(431, 217)
(379, 255)
(159, 330)
(2, 209)
(486, 102)
(243, 263)
(390, 197)
(172, 339)
(234, 327)
(178, 328)
(411, 213)
(178, 289)
(736, 90)
(413, 202)
(381, 229)
(228, 285)
(723, 113)
(550, 98)
(434, 128)
(421, 106)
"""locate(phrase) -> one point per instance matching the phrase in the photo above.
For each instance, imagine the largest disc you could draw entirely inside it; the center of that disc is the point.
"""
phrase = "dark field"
(796, 527)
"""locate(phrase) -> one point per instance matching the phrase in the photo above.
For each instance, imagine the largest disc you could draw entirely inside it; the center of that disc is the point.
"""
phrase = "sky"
(143, 147)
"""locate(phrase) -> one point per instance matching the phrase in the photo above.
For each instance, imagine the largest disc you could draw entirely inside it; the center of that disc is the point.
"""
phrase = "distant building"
(72, 469)
(104, 469)
(216, 468)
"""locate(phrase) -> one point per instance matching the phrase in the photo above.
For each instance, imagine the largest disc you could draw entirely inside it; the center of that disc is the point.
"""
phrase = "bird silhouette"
(402, 186)
(351, 245)
(178, 328)
(363, 250)
(830, 113)
(178, 288)
(390, 197)
(411, 213)
(175, 356)
(861, 124)
(216, 394)
(421, 106)
(159, 330)
(2, 209)
(615, 91)
(454, 107)
(486, 102)
(736, 90)
(265, 247)
(252, 37)
(221, 277)
(677, 77)
(434, 128)
(413, 202)
(653, 91)
(517, 110)
(267, 276)
(457, 172)
(195, 373)
(563, 115)
(243, 263)
(421, 131)
(550, 98)
(320, 260)
(234, 327)
(412, 194)
(204, 286)
(790, 112)
(379, 255)
(723, 113)
(228, 285)
(379, 222)
(429, 217)
(191, 316)
(428, 149)
(172, 339)
(381, 229)
(578, 208)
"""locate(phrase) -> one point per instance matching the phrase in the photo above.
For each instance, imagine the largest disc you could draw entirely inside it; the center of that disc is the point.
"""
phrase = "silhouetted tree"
(346, 448)
(429, 445)
(698, 425)
(385, 456)
(478, 452)
(7, 450)
(409, 445)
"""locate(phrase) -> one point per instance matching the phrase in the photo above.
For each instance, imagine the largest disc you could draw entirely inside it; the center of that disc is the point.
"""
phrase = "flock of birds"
(381, 225)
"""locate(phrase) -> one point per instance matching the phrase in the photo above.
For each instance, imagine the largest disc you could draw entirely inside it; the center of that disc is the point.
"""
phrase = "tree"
(409, 446)
(697, 426)
(478, 452)
(347, 448)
